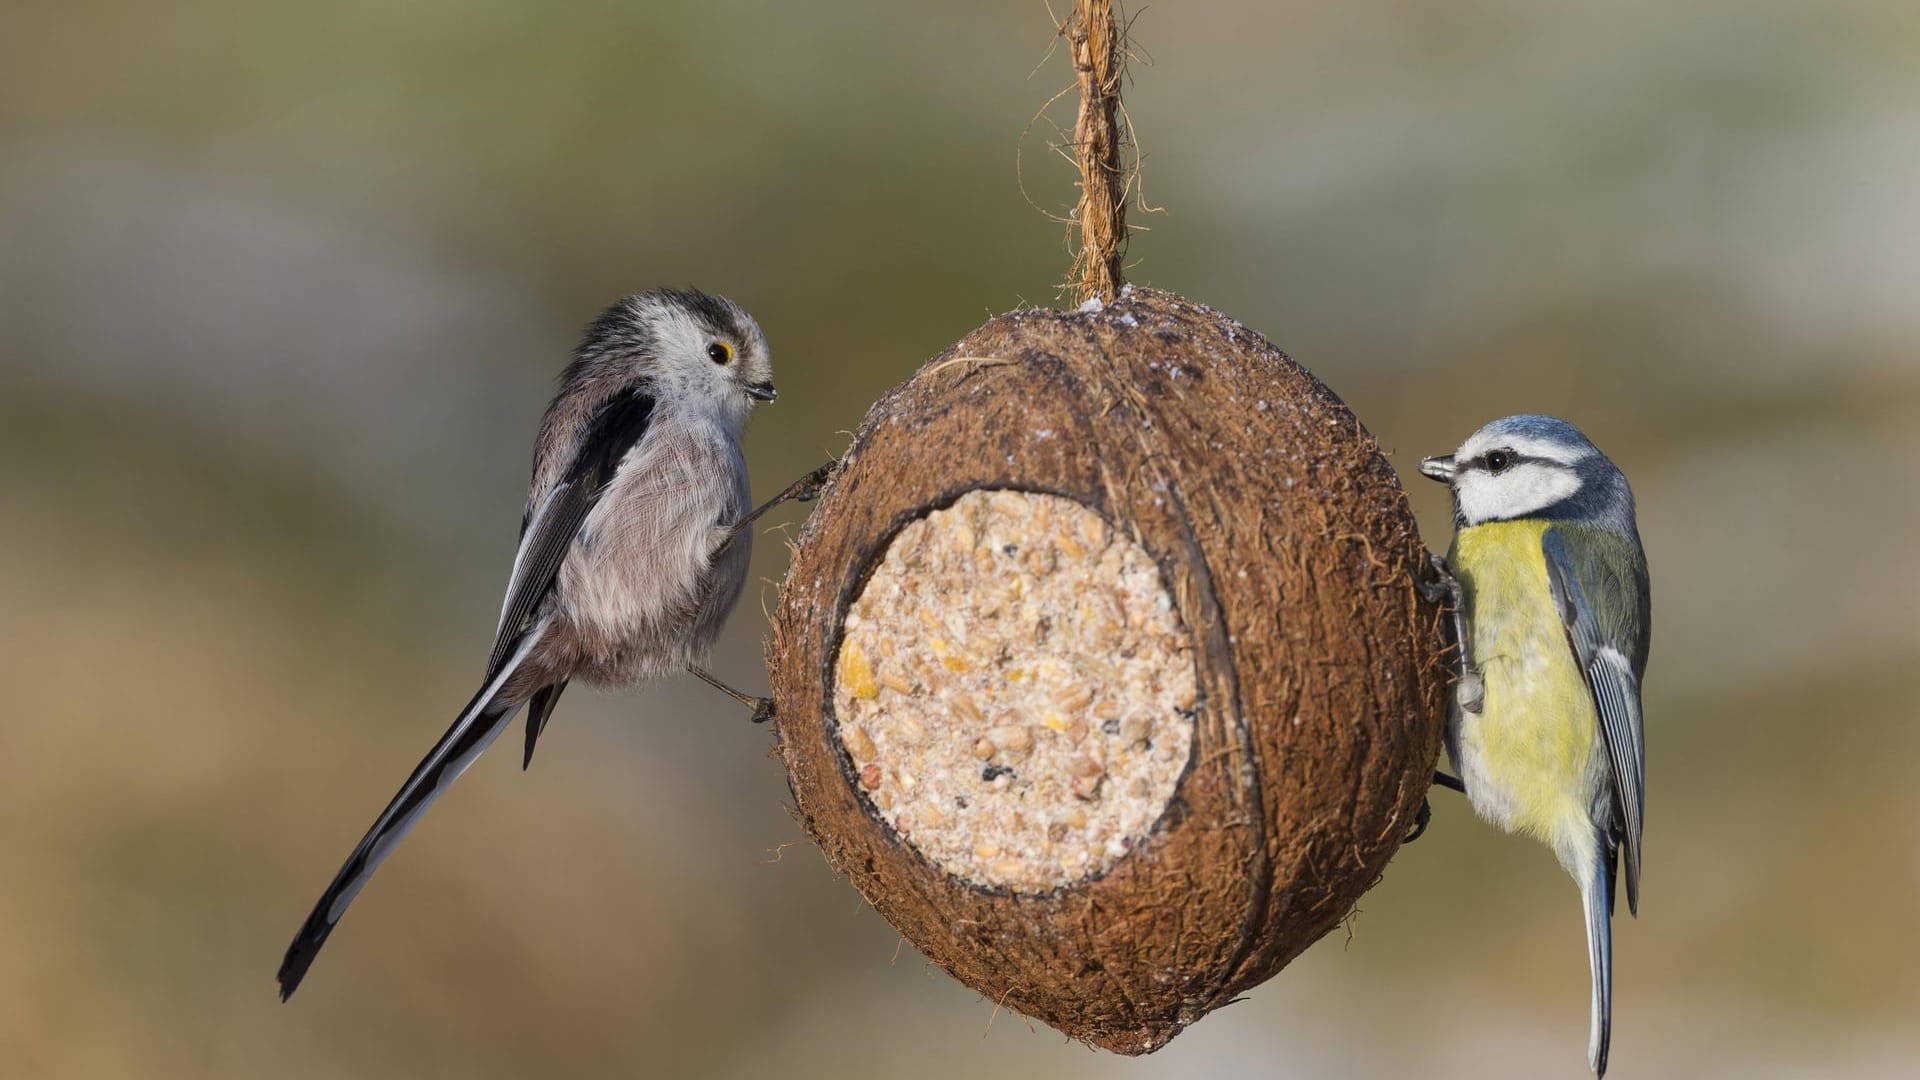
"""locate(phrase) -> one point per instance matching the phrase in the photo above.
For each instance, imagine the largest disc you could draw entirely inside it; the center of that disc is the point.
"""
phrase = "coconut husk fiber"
(1287, 546)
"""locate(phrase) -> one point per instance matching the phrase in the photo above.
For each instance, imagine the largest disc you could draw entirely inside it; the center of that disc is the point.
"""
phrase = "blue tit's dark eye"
(720, 352)
(1498, 461)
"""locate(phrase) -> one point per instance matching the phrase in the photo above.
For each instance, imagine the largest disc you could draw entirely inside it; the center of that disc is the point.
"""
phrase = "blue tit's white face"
(1516, 467)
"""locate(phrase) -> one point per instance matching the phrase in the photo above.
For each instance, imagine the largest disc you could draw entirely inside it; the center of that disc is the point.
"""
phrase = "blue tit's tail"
(1596, 895)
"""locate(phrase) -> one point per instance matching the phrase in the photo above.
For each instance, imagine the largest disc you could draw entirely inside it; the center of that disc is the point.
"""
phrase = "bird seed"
(1016, 690)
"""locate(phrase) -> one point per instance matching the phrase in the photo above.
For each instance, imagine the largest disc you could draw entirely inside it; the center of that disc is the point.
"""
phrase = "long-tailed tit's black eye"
(720, 352)
(1498, 461)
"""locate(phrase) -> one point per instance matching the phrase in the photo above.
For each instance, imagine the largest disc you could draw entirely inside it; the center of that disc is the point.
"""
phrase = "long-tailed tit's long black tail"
(478, 725)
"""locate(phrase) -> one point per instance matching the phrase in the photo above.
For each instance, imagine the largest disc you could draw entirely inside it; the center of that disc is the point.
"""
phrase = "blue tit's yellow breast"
(1533, 750)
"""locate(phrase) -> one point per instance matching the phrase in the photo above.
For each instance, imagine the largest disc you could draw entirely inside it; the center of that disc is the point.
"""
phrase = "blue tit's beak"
(762, 391)
(1438, 468)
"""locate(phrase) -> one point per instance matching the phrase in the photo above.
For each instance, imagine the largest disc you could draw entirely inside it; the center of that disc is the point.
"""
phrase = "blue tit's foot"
(763, 710)
(1469, 693)
(1437, 584)
(1420, 821)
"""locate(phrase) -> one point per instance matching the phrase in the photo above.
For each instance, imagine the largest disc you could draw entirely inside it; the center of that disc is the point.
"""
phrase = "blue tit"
(1552, 612)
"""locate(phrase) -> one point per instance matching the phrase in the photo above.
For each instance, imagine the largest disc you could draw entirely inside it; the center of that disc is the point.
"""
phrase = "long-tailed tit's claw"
(808, 487)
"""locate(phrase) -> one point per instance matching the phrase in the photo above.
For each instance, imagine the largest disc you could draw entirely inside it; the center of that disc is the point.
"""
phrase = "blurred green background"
(283, 287)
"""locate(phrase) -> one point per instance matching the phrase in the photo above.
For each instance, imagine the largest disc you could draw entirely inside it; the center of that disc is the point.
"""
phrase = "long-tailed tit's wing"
(554, 521)
(472, 732)
(544, 544)
(1601, 599)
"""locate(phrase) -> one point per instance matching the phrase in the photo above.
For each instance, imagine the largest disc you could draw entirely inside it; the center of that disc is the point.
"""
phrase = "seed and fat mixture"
(1016, 690)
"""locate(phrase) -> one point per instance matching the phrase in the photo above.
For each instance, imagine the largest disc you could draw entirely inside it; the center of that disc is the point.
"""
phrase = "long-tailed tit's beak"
(762, 391)
(1438, 468)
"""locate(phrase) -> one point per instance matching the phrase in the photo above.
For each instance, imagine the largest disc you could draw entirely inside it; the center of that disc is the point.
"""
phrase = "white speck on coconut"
(1092, 305)
(1023, 662)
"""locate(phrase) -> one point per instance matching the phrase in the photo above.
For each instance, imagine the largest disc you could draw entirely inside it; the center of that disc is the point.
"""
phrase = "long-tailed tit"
(633, 549)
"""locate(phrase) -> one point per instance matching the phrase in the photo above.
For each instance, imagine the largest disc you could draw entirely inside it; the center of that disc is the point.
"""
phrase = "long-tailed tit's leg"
(762, 707)
(805, 489)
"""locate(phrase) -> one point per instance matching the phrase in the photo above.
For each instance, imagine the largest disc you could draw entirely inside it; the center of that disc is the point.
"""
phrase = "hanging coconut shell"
(1101, 669)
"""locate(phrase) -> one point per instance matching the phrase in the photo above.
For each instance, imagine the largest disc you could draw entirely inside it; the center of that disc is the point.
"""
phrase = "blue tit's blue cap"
(1535, 426)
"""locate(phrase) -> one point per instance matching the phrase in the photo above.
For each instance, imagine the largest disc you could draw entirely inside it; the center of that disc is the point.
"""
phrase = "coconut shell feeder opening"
(1101, 669)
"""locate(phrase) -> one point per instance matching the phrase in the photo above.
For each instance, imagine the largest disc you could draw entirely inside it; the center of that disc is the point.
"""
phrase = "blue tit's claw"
(1437, 585)
(763, 711)
(1420, 822)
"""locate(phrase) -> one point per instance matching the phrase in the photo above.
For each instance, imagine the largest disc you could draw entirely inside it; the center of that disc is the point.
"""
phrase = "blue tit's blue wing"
(1599, 587)
(554, 521)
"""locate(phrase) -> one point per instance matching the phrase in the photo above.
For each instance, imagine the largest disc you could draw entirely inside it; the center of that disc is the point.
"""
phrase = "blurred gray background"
(283, 287)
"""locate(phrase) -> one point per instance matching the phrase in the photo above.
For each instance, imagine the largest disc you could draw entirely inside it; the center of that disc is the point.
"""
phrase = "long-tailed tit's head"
(691, 346)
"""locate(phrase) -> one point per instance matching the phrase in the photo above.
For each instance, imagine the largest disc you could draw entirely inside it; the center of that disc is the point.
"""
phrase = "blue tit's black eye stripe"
(615, 428)
(1499, 461)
